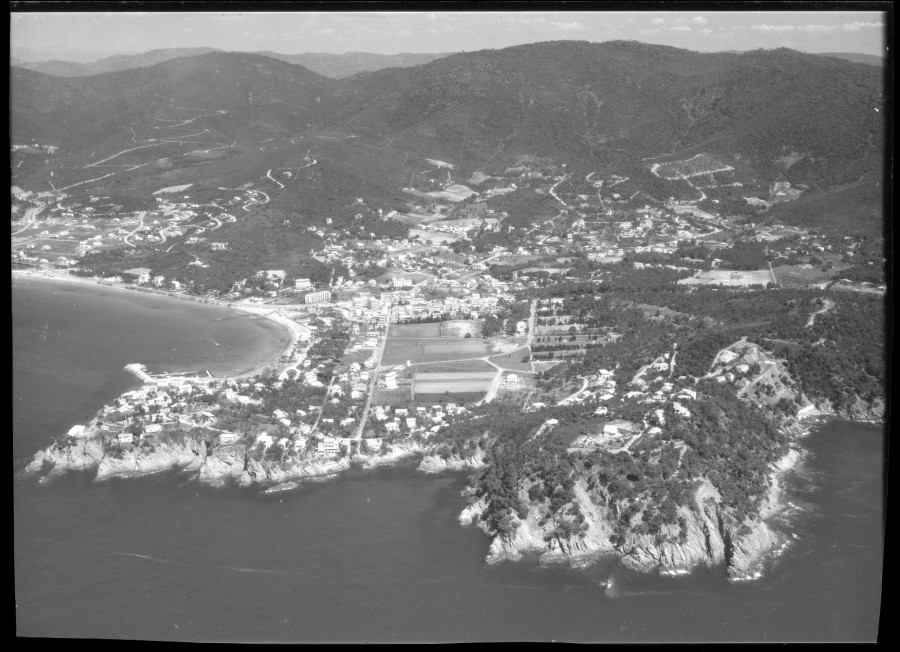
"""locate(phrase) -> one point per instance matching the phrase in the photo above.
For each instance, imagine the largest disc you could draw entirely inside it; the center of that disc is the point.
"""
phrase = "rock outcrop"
(57, 459)
(397, 452)
(437, 464)
(216, 467)
(707, 537)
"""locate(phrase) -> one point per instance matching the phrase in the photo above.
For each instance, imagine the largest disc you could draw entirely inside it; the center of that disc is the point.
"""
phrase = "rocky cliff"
(217, 466)
(708, 537)
(433, 463)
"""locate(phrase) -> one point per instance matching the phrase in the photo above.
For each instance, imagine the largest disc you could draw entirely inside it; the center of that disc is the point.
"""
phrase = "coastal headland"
(175, 422)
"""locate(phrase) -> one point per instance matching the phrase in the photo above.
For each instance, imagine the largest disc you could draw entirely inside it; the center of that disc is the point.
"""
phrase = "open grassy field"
(798, 276)
(434, 237)
(456, 367)
(393, 397)
(414, 218)
(460, 387)
(453, 376)
(729, 277)
(417, 351)
(698, 165)
(460, 328)
(460, 398)
(458, 382)
(432, 329)
(513, 360)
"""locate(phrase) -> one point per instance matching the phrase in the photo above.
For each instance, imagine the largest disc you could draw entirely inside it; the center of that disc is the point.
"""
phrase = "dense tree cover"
(863, 273)
(267, 240)
(842, 355)
(744, 255)
(319, 273)
(726, 440)
(331, 343)
(854, 210)
(654, 187)
(524, 206)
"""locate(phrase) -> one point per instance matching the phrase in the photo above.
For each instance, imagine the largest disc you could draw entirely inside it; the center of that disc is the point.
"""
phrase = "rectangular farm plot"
(417, 350)
(454, 383)
(729, 277)
(453, 376)
(407, 331)
(456, 367)
(461, 328)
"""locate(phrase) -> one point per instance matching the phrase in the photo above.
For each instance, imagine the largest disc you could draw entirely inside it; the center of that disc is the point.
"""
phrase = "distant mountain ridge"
(868, 59)
(113, 63)
(608, 108)
(338, 66)
(335, 66)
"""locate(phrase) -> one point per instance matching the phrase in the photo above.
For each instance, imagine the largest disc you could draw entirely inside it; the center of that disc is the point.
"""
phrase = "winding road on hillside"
(570, 397)
(552, 192)
(269, 174)
(829, 304)
(30, 217)
(139, 227)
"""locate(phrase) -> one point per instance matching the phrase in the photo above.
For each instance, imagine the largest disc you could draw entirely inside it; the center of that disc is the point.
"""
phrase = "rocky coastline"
(224, 465)
(708, 541)
(216, 467)
(709, 536)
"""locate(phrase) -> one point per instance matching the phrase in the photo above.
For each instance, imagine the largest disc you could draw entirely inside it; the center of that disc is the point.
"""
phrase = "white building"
(322, 296)
(328, 446)
(680, 409)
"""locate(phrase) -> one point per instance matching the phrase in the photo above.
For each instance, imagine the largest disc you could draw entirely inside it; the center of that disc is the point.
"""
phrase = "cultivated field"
(455, 383)
(729, 277)
(456, 367)
(460, 398)
(458, 387)
(432, 329)
(181, 188)
(415, 350)
(452, 376)
(695, 166)
(799, 276)
(434, 237)
(459, 328)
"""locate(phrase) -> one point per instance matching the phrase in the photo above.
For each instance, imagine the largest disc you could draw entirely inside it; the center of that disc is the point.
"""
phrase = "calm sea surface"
(373, 556)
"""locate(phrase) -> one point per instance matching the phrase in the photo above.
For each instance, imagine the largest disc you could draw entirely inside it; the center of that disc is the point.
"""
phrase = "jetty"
(140, 371)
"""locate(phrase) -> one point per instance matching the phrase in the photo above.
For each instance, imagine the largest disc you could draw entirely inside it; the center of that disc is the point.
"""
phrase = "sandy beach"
(293, 329)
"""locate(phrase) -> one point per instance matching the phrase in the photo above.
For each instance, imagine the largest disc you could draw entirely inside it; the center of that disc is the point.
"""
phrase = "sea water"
(375, 555)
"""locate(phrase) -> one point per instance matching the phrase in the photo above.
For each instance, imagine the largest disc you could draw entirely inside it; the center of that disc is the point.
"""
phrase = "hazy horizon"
(36, 36)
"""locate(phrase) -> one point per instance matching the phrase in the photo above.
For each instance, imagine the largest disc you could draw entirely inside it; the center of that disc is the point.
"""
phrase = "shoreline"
(293, 329)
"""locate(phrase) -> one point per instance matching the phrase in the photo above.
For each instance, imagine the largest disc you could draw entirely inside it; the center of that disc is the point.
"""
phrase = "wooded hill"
(812, 120)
